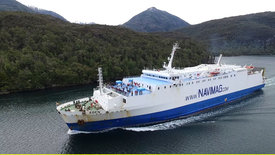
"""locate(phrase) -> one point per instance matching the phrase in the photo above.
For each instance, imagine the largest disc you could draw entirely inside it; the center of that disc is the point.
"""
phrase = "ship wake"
(202, 118)
(270, 82)
(75, 132)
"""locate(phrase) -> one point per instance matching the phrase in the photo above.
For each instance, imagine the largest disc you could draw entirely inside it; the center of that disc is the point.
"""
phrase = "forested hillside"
(40, 51)
(247, 34)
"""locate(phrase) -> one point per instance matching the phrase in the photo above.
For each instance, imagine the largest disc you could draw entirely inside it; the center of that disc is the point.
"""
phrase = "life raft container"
(214, 73)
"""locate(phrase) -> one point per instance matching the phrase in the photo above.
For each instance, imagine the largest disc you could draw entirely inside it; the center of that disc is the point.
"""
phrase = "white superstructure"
(161, 95)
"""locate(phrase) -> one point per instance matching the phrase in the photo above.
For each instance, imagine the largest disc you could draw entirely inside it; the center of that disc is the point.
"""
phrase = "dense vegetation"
(47, 12)
(154, 20)
(13, 5)
(240, 35)
(40, 51)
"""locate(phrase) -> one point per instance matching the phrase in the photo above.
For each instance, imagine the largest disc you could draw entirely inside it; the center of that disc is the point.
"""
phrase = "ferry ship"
(161, 95)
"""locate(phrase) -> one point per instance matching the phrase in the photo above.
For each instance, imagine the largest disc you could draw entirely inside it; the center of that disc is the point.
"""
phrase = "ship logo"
(207, 91)
(210, 90)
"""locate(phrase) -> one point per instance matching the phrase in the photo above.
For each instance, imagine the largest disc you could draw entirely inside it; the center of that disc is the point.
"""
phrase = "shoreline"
(46, 88)
(92, 83)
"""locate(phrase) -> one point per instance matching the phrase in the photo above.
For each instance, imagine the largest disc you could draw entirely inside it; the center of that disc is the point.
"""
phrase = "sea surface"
(31, 124)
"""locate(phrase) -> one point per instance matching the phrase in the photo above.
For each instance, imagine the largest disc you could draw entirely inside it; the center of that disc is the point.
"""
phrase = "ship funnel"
(100, 79)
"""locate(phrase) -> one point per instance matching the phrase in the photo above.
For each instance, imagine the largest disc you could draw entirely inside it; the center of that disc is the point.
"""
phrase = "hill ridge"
(155, 20)
(13, 5)
(238, 35)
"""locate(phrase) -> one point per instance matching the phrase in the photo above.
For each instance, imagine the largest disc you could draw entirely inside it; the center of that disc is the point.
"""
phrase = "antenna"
(100, 79)
(170, 59)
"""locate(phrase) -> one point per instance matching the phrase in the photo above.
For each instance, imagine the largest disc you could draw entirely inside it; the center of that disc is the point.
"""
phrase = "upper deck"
(190, 73)
(150, 80)
(132, 86)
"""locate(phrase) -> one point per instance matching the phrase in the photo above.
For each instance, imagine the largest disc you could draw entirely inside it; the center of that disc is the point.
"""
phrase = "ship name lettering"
(211, 90)
(191, 97)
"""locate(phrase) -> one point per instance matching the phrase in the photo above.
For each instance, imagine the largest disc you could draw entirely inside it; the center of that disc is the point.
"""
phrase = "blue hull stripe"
(163, 115)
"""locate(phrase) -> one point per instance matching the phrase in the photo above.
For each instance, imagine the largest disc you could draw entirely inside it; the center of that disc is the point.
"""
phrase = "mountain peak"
(152, 9)
(155, 20)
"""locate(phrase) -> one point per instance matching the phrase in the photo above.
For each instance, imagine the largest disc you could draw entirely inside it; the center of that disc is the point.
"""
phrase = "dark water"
(30, 124)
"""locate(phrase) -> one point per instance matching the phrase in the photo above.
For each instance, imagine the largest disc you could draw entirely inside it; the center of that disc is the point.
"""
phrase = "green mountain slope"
(247, 34)
(40, 51)
(46, 12)
(13, 5)
(154, 20)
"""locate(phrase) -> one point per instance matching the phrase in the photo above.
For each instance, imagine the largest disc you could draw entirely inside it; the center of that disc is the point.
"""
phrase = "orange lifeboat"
(249, 67)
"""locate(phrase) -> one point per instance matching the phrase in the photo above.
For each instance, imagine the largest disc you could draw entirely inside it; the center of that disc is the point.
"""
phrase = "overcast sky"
(115, 12)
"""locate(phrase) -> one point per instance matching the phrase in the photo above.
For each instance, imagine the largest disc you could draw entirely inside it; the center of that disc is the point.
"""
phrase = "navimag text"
(207, 91)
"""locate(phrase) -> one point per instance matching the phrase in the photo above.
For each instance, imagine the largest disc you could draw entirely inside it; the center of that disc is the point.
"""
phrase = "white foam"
(73, 132)
(268, 85)
(270, 82)
(177, 123)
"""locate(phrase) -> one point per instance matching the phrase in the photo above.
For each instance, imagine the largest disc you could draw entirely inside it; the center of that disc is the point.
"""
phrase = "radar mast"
(100, 79)
(219, 60)
(170, 59)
